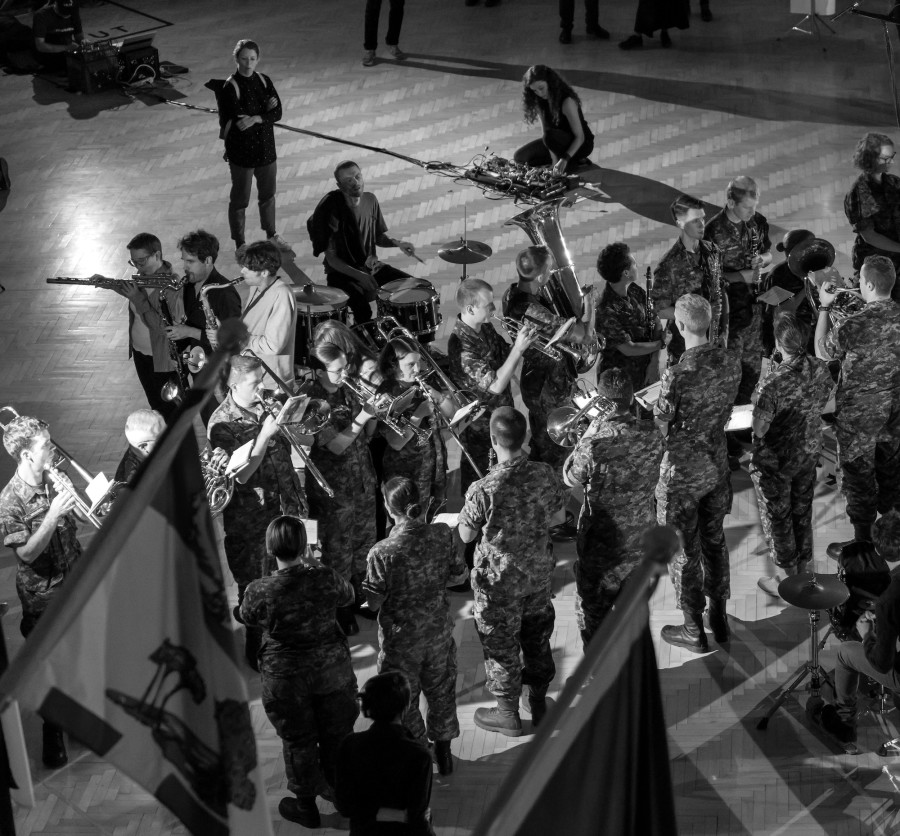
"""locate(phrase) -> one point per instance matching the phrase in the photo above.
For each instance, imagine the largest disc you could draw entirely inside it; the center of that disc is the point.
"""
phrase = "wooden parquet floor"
(739, 95)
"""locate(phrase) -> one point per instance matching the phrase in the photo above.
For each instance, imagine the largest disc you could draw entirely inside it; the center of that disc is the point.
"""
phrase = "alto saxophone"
(173, 392)
(196, 356)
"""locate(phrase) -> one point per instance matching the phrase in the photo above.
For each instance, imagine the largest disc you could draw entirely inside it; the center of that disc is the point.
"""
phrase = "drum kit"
(413, 303)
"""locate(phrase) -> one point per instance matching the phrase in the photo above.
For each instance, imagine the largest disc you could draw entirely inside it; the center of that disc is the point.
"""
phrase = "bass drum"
(308, 318)
(414, 303)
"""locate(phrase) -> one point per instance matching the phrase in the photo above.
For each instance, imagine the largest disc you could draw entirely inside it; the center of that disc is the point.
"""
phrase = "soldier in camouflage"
(691, 265)
(38, 523)
(787, 437)
(742, 236)
(867, 402)
(694, 490)
(546, 383)
(616, 461)
(630, 341)
(265, 487)
(309, 688)
(513, 507)
(341, 453)
(406, 582)
(481, 361)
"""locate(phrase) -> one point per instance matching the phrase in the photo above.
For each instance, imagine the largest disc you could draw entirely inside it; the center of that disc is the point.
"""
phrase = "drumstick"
(417, 258)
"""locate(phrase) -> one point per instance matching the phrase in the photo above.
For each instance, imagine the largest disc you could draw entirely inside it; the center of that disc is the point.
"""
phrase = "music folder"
(649, 395)
(466, 415)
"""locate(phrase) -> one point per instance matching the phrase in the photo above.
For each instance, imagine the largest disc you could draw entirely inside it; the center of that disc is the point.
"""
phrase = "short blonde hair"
(694, 311)
(470, 290)
(143, 421)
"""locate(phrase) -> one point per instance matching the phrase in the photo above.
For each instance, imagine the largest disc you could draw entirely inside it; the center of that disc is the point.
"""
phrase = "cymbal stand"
(811, 669)
(464, 239)
(815, 20)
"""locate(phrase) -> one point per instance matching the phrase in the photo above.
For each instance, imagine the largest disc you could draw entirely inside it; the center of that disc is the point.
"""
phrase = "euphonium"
(219, 483)
(567, 424)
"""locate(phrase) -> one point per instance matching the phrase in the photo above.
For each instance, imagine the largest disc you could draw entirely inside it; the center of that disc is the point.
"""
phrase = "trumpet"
(381, 406)
(61, 482)
(218, 481)
(195, 358)
(541, 343)
(567, 424)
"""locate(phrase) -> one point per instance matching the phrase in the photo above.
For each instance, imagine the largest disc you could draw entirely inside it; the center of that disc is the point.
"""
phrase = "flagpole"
(7, 820)
(125, 515)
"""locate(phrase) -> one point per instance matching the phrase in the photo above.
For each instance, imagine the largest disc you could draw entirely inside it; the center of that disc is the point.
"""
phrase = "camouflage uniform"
(867, 408)
(694, 490)
(425, 465)
(22, 510)
(474, 360)
(347, 520)
(874, 206)
(678, 273)
(620, 319)
(783, 462)
(781, 276)
(513, 506)
(546, 383)
(619, 469)
(272, 490)
(407, 578)
(745, 314)
(309, 688)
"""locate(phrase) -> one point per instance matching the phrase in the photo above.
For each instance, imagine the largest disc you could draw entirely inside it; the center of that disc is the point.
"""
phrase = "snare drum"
(415, 308)
(369, 334)
(308, 318)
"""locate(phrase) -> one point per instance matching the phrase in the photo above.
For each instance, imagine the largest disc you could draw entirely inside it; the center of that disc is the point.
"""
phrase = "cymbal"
(813, 592)
(318, 294)
(465, 252)
(404, 284)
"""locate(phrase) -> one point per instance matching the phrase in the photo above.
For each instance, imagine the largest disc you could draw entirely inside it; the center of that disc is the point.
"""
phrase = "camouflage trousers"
(609, 550)
(346, 530)
(697, 510)
(871, 482)
(751, 352)
(429, 664)
(312, 711)
(245, 544)
(515, 632)
(785, 498)
(543, 448)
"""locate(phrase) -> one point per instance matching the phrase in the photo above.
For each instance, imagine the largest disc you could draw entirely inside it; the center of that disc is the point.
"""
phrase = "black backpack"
(218, 85)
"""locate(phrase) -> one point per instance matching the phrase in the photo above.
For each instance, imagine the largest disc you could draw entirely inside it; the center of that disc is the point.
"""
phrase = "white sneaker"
(279, 242)
(770, 585)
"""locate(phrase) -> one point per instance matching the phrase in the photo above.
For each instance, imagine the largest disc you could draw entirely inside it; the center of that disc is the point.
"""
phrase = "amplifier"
(91, 72)
(134, 61)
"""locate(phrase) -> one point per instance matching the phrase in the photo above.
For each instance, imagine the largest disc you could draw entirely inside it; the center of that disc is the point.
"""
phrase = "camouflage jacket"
(474, 360)
(296, 609)
(678, 273)
(22, 510)
(620, 319)
(513, 506)
(618, 466)
(546, 383)
(695, 399)
(407, 578)
(352, 471)
(791, 398)
(275, 486)
(410, 457)
(735, 242)
(874, 206)
(867, 403)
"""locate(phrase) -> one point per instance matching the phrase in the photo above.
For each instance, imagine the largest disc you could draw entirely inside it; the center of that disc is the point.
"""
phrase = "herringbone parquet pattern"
(739, 95)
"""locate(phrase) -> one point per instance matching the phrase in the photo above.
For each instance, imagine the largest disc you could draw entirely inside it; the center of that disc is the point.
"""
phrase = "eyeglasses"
(140, 262)
(887, 159)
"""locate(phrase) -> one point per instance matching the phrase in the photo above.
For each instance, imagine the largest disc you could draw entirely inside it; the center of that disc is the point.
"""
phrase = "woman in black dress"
(567, 140)
(663, 15)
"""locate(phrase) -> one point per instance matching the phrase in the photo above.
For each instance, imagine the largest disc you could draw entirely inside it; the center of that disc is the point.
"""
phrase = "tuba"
(562, 292)
(814, 255)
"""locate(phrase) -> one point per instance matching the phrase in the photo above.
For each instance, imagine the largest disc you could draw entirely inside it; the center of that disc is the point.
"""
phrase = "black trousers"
(567, 14)
(537, 152)
(152, 383)
(395, 21)
(361, 296)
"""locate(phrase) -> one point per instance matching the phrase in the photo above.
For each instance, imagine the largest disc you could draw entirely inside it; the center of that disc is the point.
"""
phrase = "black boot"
(503, 718)
(347, 621)
(862, 532)
(302, 811)
(537, 702)
(442, 757)
(718, 620)
(705, 13)
(690, 635)
(53, 752)
(252, 641)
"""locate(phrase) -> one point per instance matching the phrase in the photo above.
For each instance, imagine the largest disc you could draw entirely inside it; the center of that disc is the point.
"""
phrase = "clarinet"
(650, 310)
(754, 252)
(714, 269)
(174, 354)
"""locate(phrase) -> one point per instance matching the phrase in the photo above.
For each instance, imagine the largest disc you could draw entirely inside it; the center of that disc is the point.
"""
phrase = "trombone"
(315, 418)
(381, 406)
(541, 343)
(61, 482)
(567, 424)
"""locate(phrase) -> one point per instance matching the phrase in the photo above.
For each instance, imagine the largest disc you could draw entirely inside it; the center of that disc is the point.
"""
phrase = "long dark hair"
(558, 90)
(389, 359)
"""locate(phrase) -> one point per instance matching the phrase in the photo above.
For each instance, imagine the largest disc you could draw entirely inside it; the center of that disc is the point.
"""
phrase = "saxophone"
(195, 358)
(173, 391)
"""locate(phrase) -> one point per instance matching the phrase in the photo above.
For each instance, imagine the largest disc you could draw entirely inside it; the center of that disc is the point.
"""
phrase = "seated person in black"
(347, 225)
(383, 774)
(57, 28)
(876, 656)
(567, 140)
(142, 430)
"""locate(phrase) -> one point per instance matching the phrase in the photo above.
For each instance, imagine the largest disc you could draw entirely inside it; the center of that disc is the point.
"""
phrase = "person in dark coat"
(383, 774)
(662, 15)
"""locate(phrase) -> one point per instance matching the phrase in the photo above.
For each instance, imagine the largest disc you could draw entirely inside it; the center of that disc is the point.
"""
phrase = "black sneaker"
(53, 751)
(598, 32)
(565, 37)
(302, 811)
(835, 726)
(5, 182)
